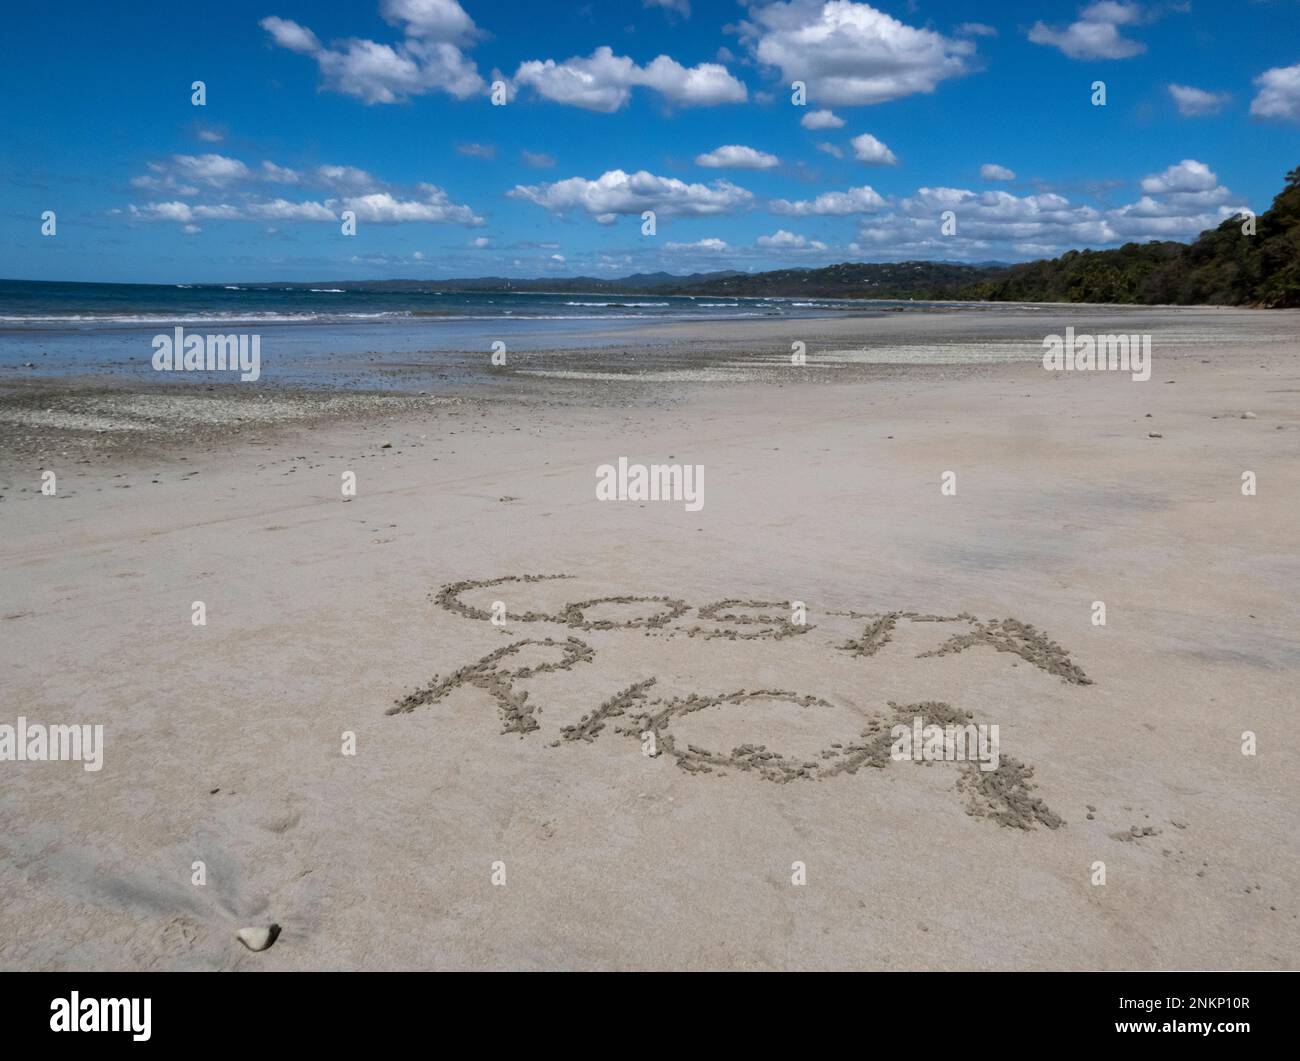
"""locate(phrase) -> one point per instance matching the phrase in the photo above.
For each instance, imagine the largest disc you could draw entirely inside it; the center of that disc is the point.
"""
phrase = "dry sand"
(483, 748)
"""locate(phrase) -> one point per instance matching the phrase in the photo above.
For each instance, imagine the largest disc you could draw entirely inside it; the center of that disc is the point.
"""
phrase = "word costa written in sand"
(1003, 793)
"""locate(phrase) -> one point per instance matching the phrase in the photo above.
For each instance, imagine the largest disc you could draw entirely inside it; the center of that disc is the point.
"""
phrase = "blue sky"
(683, 107)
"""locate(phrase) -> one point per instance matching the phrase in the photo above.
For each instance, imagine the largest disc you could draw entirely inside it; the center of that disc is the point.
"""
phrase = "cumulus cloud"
(975, 29)
(280, 174)
(432, 206)
(821, 120)
(866, 148)
(616, 192)
(991, 171)
(850, 53)
(737, 156)
(428, 59)
(346, 178)
(864, 200)
(784, 240)
(1178, 203)
(1279, 94)
(288, 34)
(1096, 34)
(210, 169)
(235, 188)
(831, 150)
(1194, 102)
(1187, 176)
(442, 20)
(604, 81)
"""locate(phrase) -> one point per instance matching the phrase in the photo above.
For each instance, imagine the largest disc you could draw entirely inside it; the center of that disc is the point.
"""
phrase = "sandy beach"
(500, 810)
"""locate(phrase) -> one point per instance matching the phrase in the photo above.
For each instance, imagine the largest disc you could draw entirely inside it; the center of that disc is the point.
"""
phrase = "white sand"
(320, 615)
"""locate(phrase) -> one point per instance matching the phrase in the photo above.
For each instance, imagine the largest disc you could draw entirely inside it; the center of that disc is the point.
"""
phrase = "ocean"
(319, 335)
(59, 306)
(79, 328)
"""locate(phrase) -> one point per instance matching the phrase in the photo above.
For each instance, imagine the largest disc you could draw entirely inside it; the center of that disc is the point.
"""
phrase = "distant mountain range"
(1225, 266)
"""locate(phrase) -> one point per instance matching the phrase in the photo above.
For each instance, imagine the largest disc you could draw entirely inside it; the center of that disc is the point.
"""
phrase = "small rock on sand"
(257, 937)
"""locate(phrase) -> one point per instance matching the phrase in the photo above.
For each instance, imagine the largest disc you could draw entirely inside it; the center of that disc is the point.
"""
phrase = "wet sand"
(500, 810)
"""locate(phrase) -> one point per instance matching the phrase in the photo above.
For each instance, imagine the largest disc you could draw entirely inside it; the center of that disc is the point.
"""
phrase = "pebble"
(258, 938)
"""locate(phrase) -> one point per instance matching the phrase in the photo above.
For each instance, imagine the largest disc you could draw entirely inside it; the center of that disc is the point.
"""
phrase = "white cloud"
(604, 81)
(280, 174)
(230, 178)
(862, 200)
(441, 20)
(1279, 94)
(476, 150)
(166, 211)
(616, 192)
(428, 59)
(782, 239)
(1193, 102)
(850, 53)
(1188, 176)
(433, 207)
(481, 242)
(273, 210)
(537, 159)
(264, 209)
(831, 150)
(991, 171)
(711, 245)
(288, 34)
(822, 119)
(1096, 34)
(1179, 203)
(210, 169)
(347, 178)
(737, 156)
(866, 148)
(210, 136)
(975, 29)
